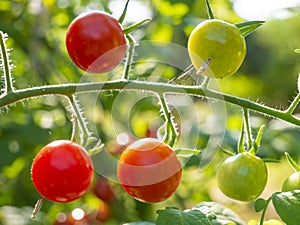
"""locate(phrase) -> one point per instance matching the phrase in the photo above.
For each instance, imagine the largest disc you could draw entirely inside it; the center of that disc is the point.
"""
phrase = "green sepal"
(123, 15)
(249, 26)
(292, 162)
(256, 144)
(227, 152)
(297, 50)
(187, 152)
(269, 160)
(210, 12)
(133, 27)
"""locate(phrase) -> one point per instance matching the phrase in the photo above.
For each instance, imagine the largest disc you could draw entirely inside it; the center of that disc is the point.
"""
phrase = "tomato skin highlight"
(95, 42)
(149, 170)
(242, 177)
(62, 171)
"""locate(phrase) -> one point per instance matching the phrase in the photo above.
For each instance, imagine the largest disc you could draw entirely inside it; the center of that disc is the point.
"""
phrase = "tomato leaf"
(176, 217)
(223, 215)
(287, 206)
(249, 26)
(260, 204)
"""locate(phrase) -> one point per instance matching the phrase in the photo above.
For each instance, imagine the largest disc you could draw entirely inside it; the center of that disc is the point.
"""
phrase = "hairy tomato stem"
(8, 81)
(70, 89)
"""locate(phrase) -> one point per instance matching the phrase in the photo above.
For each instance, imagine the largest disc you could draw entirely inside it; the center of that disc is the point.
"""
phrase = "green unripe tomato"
(220, 42)
(242, 177)
(292, 182)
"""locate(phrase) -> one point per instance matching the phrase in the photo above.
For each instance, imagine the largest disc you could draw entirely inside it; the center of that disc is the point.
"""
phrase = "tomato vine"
(11, 95)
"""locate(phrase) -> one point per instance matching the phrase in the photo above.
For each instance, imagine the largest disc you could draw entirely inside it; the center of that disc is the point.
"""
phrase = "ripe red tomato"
(62, 171)
(103, 190)
(149, 170)
(95, 42)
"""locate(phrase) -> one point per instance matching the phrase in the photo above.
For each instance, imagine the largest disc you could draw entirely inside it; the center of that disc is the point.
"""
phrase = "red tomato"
(149, 170)
(103, 190)
(62, 171)
(95, 42)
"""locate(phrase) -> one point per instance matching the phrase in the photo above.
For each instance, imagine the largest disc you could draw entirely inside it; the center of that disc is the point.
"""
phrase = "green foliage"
(205, 213)
(287, 205)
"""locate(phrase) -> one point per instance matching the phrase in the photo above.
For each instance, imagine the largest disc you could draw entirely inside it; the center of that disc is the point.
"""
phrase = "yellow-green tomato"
(242, 177)
(219, 42)
(292, 182)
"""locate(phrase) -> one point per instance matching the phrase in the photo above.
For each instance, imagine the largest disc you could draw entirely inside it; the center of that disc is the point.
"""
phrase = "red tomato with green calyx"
(95, 42)
(149, 170)
(62, 171)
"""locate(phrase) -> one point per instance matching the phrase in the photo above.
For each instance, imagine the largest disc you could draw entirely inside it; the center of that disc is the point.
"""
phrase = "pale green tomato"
(242, 177)
(292, 182)
(220, 43)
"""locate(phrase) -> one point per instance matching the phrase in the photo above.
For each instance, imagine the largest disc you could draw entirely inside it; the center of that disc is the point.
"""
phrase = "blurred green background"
(36, 31)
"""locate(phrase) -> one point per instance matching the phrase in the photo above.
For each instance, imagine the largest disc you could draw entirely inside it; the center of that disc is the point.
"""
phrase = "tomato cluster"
(148, 169)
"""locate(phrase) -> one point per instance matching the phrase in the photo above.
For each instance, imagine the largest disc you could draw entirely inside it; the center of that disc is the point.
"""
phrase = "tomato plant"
(62, 171)
(149, 170)
(95, 42)
(218, 45)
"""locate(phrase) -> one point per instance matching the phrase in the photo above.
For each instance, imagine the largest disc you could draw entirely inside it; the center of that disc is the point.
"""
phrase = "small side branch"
(293, 105)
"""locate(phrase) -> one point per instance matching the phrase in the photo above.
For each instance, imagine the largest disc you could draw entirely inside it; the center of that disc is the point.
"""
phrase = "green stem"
(129, 58)
(293, 105)
(205, 82)
(8, 82)
(171, 132)
(85, 133)
(262, 218)
(247, 127)
(241, 147)
(70, 89)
